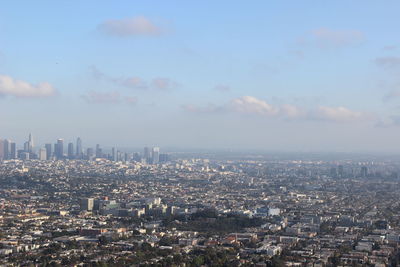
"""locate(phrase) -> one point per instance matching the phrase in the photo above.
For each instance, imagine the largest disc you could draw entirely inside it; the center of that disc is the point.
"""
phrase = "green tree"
(198, 261)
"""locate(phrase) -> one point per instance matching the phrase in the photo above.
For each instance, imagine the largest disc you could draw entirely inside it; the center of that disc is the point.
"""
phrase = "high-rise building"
(89, 153)
(6, 149)
(156, 155)
(60, 148)
(13, 150)
(113, 154)
(55, 150)
(1, 149)
(120, 156)
(147, 154)
(26, 146)
(71, 151)
(79, 150)
(48, 151)
(43, 154)
(30, 143)
(87, 204)
(99, 153)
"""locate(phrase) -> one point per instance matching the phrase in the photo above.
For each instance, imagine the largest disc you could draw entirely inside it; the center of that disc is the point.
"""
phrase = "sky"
(266, 75)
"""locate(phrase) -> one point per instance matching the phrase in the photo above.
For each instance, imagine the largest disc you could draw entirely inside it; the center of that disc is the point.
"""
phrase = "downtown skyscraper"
(79, 150)
(59, 151)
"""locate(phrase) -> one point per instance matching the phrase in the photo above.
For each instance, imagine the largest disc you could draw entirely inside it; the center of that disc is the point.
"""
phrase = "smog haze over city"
(199, 133)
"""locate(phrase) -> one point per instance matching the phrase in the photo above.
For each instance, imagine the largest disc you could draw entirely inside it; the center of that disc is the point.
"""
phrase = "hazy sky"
(273, 75)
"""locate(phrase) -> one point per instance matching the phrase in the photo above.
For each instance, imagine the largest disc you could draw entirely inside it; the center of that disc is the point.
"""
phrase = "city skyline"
(27, 143)
(59, 150)
(246, 77)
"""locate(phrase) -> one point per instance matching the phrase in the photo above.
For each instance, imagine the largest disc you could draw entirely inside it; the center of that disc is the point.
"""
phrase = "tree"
(198, 261)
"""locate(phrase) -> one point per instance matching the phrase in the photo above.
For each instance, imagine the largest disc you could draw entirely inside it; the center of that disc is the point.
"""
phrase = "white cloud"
(254, 106)
(135, 26)
(18, 88)
(291, 111)
(338, 114)
(250, 104)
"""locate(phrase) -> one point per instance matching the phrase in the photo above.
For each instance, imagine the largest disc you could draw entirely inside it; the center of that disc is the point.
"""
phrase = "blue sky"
(270, 75)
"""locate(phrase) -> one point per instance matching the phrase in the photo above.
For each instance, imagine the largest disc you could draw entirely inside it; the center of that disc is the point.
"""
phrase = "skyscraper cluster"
(152, 156)
(57, 151)
(8, 149)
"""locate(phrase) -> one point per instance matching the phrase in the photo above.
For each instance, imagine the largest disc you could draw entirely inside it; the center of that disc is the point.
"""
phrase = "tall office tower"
(29, 145)
(6, 149)
(70, 150)
(79, 150)
(55, 150)
(26, 146)
(60, 148)
(13, 150)
(89, 153)
(87, 204)
(147, 155)
(120, 156)
(99, 152)
(48, 151)
(156, 155)
(113, 154)
(1, 149)
(43, 154)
